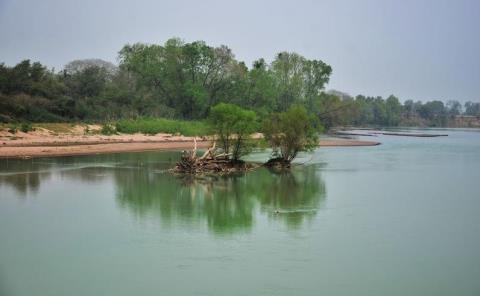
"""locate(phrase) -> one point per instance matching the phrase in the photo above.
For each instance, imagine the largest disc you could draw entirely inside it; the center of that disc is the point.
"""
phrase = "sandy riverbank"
(44, 142)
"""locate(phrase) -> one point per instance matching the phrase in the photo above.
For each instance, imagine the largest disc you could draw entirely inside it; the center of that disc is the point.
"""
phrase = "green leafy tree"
(88, 82)
(331, 110)
(435, 112)
(393, 110)
(187, 77)
(233, 126)
(291, 132)
(298, 80)
(261, 89)
(472, 108)
(454, 108)
(287, 68)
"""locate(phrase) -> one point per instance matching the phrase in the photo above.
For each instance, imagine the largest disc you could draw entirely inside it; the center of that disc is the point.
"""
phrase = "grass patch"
(13, 128)
(160, 125)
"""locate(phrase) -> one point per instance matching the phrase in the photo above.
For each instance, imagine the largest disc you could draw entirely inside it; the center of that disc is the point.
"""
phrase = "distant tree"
(184, 76)
(363, 111)
(261, 93)
(299, 81)
(287, 68)
(435, 112)
(87, 82)
(472, 109)
(232, 126)
(77, 66)
(289, 133)
(331, 110)
(316, 74)
(393, 111)
(454, 108)
(379, 111)
(409, 109)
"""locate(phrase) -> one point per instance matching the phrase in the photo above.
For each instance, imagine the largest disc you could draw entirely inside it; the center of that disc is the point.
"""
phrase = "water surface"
(401, 218)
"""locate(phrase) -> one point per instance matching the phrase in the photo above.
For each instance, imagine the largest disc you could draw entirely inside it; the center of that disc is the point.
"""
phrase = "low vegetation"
(153, 126)
(108, 129)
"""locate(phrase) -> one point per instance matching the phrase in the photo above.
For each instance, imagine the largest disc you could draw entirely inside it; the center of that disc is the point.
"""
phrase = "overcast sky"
(411, 48)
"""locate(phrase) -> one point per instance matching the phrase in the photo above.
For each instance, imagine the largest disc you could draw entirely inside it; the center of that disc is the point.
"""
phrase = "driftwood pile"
(210, 162)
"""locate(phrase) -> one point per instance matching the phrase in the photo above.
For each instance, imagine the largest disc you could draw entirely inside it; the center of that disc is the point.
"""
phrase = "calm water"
(402, 218)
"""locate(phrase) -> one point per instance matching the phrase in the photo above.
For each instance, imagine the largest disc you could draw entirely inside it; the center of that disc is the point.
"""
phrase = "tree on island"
(233, 127)
(289, 133)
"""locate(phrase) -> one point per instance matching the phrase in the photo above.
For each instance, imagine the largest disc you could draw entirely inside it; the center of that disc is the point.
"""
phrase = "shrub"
(233, 127)
(291, 132)
(26, 127)
(13, 129)
(108, 129)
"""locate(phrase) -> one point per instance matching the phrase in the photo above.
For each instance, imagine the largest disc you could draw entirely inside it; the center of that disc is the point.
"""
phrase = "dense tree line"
(184, 80)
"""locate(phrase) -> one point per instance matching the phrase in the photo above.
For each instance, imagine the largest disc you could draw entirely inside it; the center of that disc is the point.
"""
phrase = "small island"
(286, 133)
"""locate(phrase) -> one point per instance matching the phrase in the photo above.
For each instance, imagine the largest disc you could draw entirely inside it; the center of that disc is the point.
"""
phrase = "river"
(402, 218)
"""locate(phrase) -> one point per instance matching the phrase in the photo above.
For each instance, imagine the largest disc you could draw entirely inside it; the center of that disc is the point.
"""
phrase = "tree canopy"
(233, 127)
(181, 80)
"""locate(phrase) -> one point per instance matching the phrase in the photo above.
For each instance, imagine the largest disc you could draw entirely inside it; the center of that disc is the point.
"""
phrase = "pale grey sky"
(415, 49)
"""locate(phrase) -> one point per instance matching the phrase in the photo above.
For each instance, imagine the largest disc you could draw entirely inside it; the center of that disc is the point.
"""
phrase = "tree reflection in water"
(226, 203)
(24, 176)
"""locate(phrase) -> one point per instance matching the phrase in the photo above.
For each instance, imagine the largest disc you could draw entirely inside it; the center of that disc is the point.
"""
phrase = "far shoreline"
(45, 143)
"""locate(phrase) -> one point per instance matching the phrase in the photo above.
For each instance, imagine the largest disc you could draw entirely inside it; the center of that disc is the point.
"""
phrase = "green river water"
(402, 218)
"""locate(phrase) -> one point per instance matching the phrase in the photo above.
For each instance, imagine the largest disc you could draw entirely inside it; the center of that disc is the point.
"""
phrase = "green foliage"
(291, 132)
(183, 76)
(154, 126)
(375, 111)
(89, 82)
(472, 109)
(454, 108)
(393, 110)
(331, 110)
(298, 80)
(13, 129)
(435, 112)
(26, 127)
(108, 129)
(179, 80)
(233, 126)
